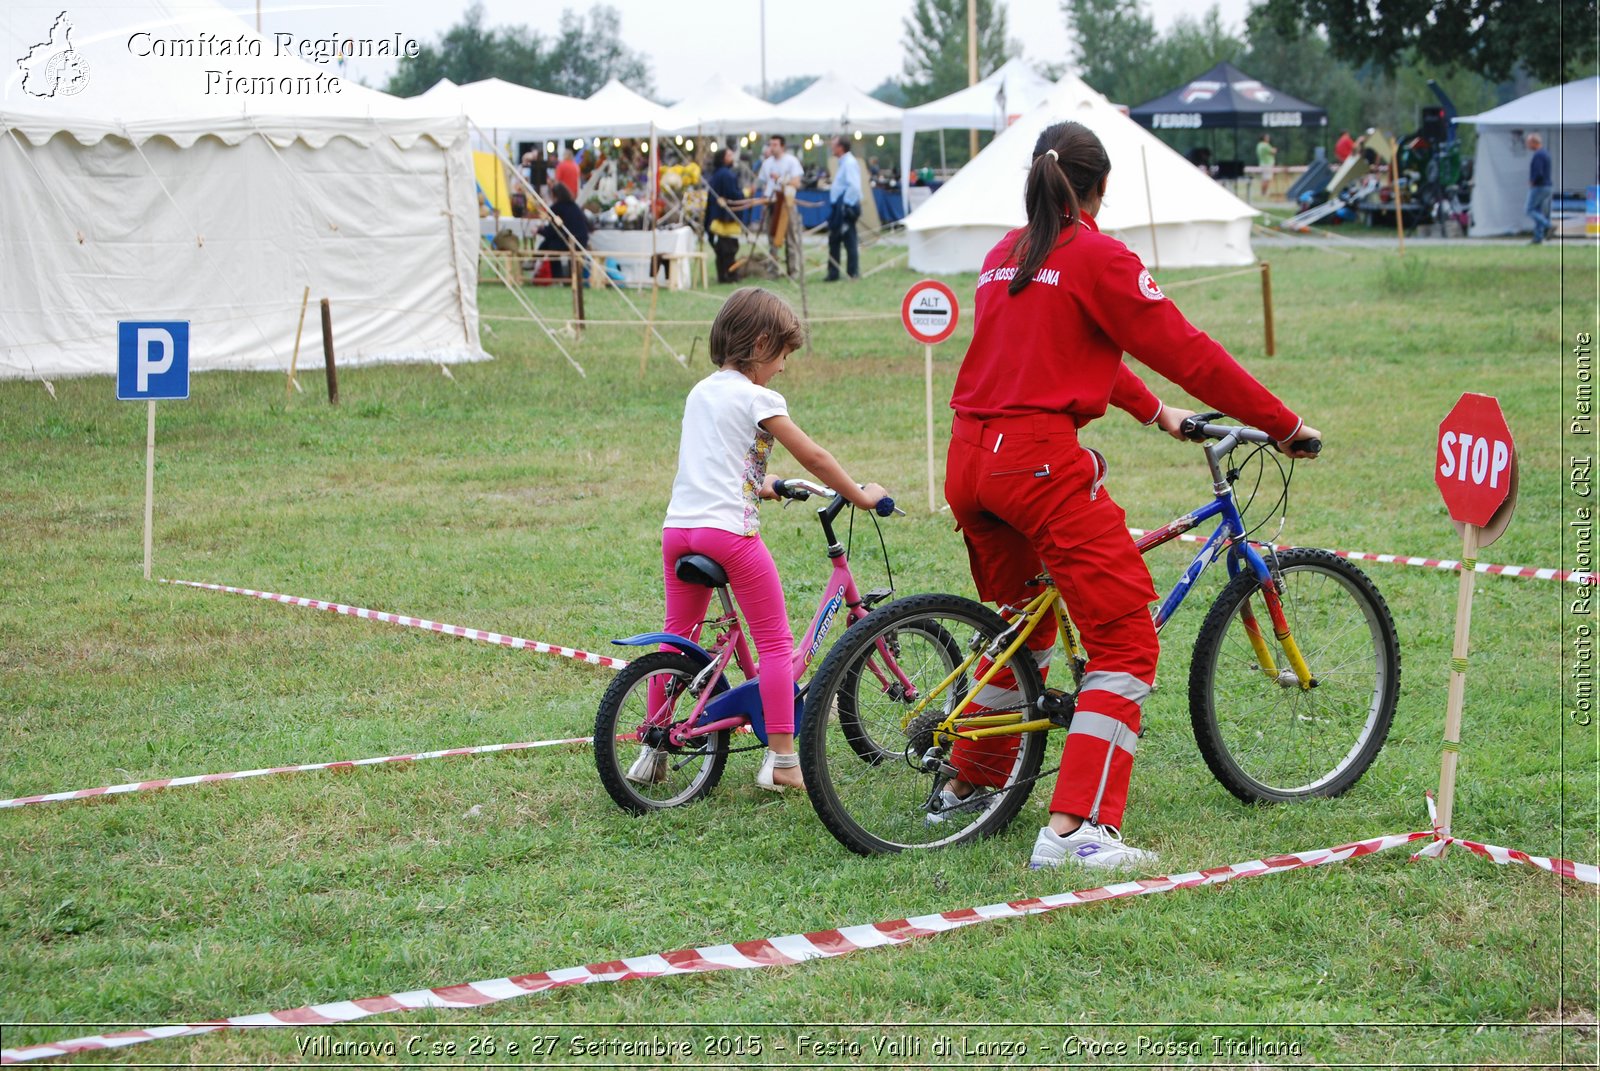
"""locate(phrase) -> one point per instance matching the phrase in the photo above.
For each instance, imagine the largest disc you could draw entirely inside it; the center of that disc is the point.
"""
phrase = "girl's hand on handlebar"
(1170, 420)
(1305, 437)
(767, 487)
(866, 497)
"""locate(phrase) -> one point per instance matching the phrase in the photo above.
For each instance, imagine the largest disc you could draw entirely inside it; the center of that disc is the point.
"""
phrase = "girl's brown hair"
(1069, 164)
(753, 327)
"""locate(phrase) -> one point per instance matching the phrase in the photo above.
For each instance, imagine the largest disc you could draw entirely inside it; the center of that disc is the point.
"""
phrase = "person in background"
(731, 420)
(1540, 189)
(1266, 153)
(572, 221)
(1343, 147)
(725, 198)
(781, 175)
(844, 209)
(537, 170)
(567, 172)
(1057, 305)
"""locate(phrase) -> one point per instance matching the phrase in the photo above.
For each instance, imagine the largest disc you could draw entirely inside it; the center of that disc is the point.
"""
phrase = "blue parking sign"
(152, 360)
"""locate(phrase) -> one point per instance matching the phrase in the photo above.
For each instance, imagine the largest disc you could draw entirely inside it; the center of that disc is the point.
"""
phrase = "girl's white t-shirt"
(722, 454)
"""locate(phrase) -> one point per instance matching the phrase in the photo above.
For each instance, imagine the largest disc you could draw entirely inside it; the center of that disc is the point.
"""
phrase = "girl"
(730, 421)
(1058, 303)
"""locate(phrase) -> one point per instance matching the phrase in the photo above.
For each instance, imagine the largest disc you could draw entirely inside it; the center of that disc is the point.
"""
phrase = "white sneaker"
(1088, 845)
(650, 768)
(949, 801)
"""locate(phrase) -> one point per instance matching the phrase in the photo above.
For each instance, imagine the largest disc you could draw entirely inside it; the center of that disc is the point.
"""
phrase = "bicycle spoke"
(874, 768)
(1262, 734)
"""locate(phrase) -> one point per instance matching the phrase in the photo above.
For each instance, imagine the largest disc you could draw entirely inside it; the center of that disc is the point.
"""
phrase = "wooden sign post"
(1475, 468)
(930, 313)
(152, 364)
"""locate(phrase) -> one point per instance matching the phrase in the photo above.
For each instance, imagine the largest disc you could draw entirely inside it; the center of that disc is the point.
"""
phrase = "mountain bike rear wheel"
(864, 761)
(1263, 736)
(666, 775)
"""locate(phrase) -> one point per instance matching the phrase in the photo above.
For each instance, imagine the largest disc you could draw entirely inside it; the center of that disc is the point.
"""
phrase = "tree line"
(1366, 64)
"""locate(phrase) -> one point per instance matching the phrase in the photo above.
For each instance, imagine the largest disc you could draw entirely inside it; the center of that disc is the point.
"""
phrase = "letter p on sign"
(1475, 464)
(152, 360)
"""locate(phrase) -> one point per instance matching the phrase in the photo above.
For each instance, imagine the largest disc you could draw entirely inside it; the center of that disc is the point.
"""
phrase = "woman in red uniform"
(1057, 305)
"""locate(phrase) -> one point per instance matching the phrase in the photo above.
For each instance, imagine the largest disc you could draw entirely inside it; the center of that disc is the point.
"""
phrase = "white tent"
(144, 185)
(1565, 117)
(719, 105)
(615, 109)
(830, 105)
(516, 112)
(1196, 223)
(991, 104)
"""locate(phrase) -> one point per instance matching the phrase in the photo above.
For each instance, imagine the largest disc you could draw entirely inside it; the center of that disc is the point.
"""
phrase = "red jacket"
(1057, 346)
(567, 174)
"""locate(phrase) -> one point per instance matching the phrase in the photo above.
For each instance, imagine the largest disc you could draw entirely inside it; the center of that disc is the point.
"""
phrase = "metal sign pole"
(149, 480)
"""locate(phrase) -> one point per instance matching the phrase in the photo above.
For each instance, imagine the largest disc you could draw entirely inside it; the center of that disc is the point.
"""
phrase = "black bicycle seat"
(699, 569)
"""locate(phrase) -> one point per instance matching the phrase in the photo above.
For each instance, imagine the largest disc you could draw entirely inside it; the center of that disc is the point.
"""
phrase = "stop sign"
(1475, 461)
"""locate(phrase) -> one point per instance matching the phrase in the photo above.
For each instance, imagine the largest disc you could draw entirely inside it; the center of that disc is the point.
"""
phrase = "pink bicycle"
(652, 759)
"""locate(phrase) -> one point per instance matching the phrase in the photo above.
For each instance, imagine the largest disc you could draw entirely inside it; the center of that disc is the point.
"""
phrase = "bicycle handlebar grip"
(1310, 446)
(1193, 427)
(885, 507)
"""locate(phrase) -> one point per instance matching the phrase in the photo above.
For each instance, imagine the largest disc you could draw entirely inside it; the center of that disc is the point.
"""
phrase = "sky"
(859, 41)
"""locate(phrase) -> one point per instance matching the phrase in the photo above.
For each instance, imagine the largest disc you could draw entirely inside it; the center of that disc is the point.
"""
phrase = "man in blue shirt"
(1539, 188)
(844, 200)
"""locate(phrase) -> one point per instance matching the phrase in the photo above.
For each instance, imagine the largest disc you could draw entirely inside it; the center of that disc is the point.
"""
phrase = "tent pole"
(1150, 206)
(650, 194)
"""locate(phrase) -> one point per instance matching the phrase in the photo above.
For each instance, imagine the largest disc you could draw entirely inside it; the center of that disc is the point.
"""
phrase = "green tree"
(1552, 39)
(936, 46)
(577, 62)
(890, 92)
(586, 55)
(1117, 50)
(1111, 40)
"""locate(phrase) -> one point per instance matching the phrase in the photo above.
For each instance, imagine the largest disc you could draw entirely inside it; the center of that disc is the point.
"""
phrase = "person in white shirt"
(730, 422)
(780, 178)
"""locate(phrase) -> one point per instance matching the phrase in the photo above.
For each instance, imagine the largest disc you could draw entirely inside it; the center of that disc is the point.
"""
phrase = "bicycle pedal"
(1057, 706)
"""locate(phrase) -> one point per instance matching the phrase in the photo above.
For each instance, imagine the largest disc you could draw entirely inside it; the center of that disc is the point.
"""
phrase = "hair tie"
(1052, 154)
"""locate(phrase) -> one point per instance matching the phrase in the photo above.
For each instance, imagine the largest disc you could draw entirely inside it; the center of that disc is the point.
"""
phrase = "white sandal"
(769, 763)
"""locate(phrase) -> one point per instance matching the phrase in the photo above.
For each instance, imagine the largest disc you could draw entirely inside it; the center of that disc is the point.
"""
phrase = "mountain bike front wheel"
(639, 767)
(1264, 737)
(866, 762)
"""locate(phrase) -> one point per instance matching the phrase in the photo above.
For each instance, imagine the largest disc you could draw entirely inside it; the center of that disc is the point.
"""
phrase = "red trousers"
(1027, 496)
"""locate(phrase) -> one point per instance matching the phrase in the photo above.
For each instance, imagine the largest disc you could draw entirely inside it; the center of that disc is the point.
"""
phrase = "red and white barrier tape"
(745, 955)
(196, 779)
(1447, 564)
(515, 642)
(1565, 868)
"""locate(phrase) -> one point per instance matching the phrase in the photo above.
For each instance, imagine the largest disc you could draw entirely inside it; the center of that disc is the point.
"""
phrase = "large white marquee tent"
(1565, 117)
(719, 105)
(1011, 91)
(133, 194)
(1196, 222)
(830, 105)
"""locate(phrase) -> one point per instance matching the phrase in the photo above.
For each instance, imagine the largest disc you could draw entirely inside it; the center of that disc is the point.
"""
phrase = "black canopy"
(1227, 97)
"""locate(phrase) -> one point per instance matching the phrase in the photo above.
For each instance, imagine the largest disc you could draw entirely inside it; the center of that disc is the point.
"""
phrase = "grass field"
(516, 496)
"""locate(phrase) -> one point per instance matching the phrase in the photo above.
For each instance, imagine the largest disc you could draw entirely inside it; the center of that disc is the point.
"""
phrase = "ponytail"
(1068, 164)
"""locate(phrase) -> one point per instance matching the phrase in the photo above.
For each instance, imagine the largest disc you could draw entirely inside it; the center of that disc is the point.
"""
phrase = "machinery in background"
(1434, 182)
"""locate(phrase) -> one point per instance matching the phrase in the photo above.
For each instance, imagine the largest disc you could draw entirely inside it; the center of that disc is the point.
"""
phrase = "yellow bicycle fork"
(1048, 601)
